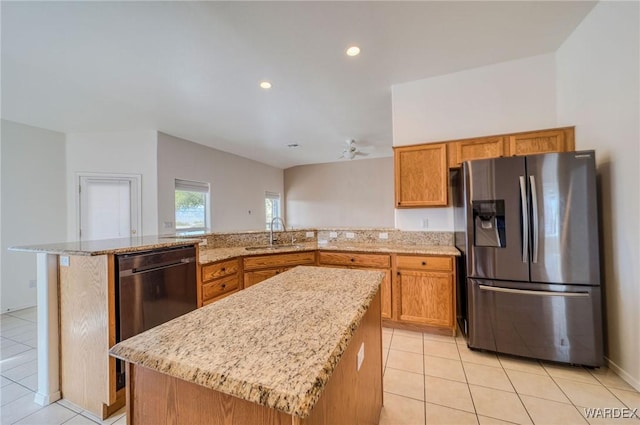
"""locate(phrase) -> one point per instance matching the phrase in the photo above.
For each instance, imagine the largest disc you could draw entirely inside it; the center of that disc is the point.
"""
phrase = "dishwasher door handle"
(156, 268)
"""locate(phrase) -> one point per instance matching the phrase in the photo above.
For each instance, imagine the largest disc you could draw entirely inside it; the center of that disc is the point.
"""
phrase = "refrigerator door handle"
(525, 219)
(530, 292)
(534, 213)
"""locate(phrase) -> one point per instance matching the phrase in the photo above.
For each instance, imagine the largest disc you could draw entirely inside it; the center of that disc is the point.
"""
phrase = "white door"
(109, 207)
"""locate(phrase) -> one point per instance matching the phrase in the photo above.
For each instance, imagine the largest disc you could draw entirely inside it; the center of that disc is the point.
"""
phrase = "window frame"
(183, 185)
(272, 196)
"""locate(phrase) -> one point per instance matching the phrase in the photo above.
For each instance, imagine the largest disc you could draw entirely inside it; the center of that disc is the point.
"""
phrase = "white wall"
(237, 185)
(507, 97)
(33, 205)
(598, 91)
(126, 152)
(344, 194)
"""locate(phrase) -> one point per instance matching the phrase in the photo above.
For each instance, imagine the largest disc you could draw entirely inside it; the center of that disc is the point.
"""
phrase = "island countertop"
(275, 343)
(108, 246)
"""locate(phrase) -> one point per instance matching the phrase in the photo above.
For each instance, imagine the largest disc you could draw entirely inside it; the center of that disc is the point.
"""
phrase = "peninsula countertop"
(275, 343)
(108, 246)
(211, 255)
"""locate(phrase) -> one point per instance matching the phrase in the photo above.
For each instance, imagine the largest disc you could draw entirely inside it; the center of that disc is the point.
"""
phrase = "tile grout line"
(553, 378)
(517, 393)
(464, 372)
(612, 393)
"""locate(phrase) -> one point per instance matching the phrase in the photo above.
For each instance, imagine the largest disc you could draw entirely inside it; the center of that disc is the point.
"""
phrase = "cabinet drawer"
(223, 268)
(424, 263)
(219, 287)
(357, 260)
(279, 260)
(219, 297)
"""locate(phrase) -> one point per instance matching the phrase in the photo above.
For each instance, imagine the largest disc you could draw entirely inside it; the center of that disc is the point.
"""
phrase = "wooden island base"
(350, 396)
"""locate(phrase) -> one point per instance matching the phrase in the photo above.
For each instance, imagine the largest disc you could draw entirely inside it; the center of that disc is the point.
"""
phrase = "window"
(272, 209)
(192, 207)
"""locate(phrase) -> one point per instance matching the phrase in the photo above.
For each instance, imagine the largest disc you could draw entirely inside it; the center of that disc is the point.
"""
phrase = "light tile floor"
(433, 379)
(19, 379)
(428, 379)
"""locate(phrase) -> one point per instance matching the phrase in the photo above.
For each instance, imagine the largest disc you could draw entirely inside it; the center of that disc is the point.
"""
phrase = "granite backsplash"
(355, 235)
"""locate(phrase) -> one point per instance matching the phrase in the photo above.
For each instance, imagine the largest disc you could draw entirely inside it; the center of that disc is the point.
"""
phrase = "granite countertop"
(275, 343)
(108, 246)
(217, 254)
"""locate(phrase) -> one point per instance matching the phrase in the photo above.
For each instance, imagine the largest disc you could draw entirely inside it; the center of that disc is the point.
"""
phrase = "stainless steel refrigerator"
(528, 230)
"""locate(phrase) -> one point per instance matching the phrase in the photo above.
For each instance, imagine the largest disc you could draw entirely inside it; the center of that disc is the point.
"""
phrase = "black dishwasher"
(153, 287)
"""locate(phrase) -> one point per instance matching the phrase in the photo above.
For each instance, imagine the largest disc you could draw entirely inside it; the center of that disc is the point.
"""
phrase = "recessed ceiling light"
(265, 84)
(353, 51)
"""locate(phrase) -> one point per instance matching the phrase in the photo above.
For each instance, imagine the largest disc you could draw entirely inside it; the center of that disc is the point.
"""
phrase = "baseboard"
(47, 399)
(623, 374)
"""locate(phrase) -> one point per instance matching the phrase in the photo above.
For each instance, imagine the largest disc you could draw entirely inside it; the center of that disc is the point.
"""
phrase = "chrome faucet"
(271, 239)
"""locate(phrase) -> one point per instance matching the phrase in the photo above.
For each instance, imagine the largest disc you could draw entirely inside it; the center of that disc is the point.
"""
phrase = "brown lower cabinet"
(424, 291)
(418, 291)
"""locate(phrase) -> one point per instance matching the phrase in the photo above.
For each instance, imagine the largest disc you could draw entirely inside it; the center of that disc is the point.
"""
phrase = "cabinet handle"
(424, 263)
(223, 269)
(278, 272)
(224, 285)
(353, 259)
(397, 273)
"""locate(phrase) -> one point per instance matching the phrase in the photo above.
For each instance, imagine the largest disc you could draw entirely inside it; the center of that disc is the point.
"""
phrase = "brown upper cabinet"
(421, 175)
(555, 140)
(485, 147)
(422, 171)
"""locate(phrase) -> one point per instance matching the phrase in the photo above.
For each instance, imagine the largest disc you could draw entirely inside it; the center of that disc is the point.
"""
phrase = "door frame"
(136, 200)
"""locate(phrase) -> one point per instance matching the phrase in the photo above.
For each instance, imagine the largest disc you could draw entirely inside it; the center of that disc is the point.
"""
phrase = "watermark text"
(610, 413)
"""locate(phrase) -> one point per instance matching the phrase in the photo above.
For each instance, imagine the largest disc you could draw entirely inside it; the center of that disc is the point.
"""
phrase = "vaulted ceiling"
(192, 69)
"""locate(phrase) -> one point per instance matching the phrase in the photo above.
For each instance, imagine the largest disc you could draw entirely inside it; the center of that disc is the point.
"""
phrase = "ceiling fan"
(351, 150)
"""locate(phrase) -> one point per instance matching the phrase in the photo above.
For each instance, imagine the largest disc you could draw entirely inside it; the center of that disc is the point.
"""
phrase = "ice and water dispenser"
(488, 223)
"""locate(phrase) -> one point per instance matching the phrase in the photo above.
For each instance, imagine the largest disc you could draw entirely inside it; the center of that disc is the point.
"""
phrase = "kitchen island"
(76, 319)
(304, 347)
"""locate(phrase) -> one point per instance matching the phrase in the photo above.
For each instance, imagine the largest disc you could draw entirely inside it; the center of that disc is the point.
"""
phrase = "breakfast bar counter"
(302, 347)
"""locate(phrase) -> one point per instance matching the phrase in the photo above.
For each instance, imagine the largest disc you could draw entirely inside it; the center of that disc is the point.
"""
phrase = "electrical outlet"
(309, 234)
(425, 223)
(32, 283)
(350, 235)
(383, 235)
(333, 234)
(203, 242)
(360, 356)
(64, 261)
(168, 224)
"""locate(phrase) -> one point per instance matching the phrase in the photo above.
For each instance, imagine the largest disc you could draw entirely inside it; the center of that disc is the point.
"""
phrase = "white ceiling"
(191, 69)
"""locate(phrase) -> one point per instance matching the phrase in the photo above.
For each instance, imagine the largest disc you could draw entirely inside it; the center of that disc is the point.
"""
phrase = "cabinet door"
(558, 140)
(385, 293)
(421, 175)
(251, 278)
(486, 147)
(426, 298)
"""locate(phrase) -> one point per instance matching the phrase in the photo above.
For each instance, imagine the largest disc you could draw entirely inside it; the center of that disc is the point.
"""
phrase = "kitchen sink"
(271, 247)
